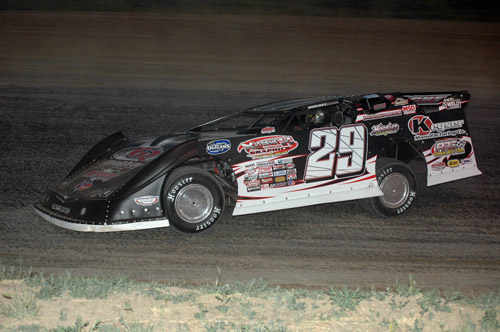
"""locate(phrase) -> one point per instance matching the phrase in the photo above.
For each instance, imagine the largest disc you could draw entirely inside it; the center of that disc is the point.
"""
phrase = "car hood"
(118, 166)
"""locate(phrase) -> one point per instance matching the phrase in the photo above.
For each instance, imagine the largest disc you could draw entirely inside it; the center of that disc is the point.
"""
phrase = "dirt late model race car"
(276, 156)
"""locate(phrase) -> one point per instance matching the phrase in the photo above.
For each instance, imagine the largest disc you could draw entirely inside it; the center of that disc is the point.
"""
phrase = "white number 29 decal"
(340, 152)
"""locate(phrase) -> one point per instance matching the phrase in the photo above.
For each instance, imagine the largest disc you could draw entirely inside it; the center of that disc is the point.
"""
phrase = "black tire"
(399, 184)
(193, 199)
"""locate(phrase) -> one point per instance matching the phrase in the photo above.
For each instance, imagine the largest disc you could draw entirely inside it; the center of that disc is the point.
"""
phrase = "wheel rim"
(396, 189)
(194, 203)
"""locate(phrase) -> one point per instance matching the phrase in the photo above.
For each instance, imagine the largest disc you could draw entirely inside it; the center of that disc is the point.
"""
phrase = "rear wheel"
(194, 199)
(399, 185)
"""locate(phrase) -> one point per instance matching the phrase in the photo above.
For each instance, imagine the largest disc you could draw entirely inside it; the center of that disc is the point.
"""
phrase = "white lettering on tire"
(171, 195)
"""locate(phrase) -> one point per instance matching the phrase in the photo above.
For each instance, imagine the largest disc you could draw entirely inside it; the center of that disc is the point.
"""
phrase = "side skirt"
(306, 198)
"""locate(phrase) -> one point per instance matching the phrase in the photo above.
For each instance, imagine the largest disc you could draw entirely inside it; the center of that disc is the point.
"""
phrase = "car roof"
(286, 105)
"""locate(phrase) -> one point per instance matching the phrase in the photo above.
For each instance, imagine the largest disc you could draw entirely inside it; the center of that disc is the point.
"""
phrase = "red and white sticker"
(268, 130)
(268, 146)
(438, 166)
(146, 200)
(409, 109)
(452, 103)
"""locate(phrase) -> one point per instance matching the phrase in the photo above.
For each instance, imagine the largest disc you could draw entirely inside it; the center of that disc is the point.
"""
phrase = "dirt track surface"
(69, 79)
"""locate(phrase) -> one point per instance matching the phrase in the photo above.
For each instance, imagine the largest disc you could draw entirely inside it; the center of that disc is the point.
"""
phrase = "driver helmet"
(316, 119)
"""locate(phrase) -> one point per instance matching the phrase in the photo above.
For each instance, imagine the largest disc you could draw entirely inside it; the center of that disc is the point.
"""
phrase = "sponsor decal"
(277, 185)
(265, 163)
(219, 146)
(278, 167)
(141, 154)
(251, 176)
(251, 171)
(279, 173)
(400, 102)
(420, 125)
(389, 97)
(452, 103)
(102, 176)
(384, 129)
(120, 167)
(266, 180)
(264, 187)
(146, 200)
(426, 99)
(438, 166)
(283, 161)
(110, 169)
(279, 179)
(409, 109)
(57, 207)
(423, 128)
(265, 175)
(253, 188)
(291, 176)
(453, 163)
(380, 115)
(290, 165)
(84, 185)
(268, 146)
(265, 169)
(379, 107)
(252, 183)
(447, 147)
(465, 161)
(291, 183)
(268, 130)
(291, 171)
(321, 105)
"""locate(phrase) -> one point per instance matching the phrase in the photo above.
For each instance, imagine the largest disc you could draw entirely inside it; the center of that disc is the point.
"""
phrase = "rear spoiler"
(439, 101)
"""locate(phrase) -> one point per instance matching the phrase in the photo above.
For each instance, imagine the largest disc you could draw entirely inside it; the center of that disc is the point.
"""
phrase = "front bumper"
(83, 226)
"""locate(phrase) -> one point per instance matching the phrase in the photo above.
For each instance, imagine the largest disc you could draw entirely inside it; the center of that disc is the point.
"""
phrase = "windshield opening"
(241, 122)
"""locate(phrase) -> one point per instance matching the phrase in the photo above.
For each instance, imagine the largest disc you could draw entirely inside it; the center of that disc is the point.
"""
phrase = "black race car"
(281, 155)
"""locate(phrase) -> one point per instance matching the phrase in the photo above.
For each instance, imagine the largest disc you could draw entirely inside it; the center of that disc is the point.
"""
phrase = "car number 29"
(336, 152)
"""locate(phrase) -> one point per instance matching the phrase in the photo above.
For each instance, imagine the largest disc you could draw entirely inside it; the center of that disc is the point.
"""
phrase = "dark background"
(413, 9)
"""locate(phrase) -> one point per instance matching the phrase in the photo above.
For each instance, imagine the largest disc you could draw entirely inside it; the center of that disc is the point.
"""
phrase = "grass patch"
(152, 306)
(346, 299)
(20, 306)
(79, 287)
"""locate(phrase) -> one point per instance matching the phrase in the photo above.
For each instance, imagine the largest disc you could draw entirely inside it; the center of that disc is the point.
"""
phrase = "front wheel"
(399, 185)
(194, 199)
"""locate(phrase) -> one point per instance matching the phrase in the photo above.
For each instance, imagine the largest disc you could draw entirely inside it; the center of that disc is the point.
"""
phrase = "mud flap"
(450, 160)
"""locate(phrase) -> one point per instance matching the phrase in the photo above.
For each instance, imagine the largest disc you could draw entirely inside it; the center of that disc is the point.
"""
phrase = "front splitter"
(130, 226)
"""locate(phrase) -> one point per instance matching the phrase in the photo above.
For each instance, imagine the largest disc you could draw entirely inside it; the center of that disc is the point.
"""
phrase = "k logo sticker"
(420, 125)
